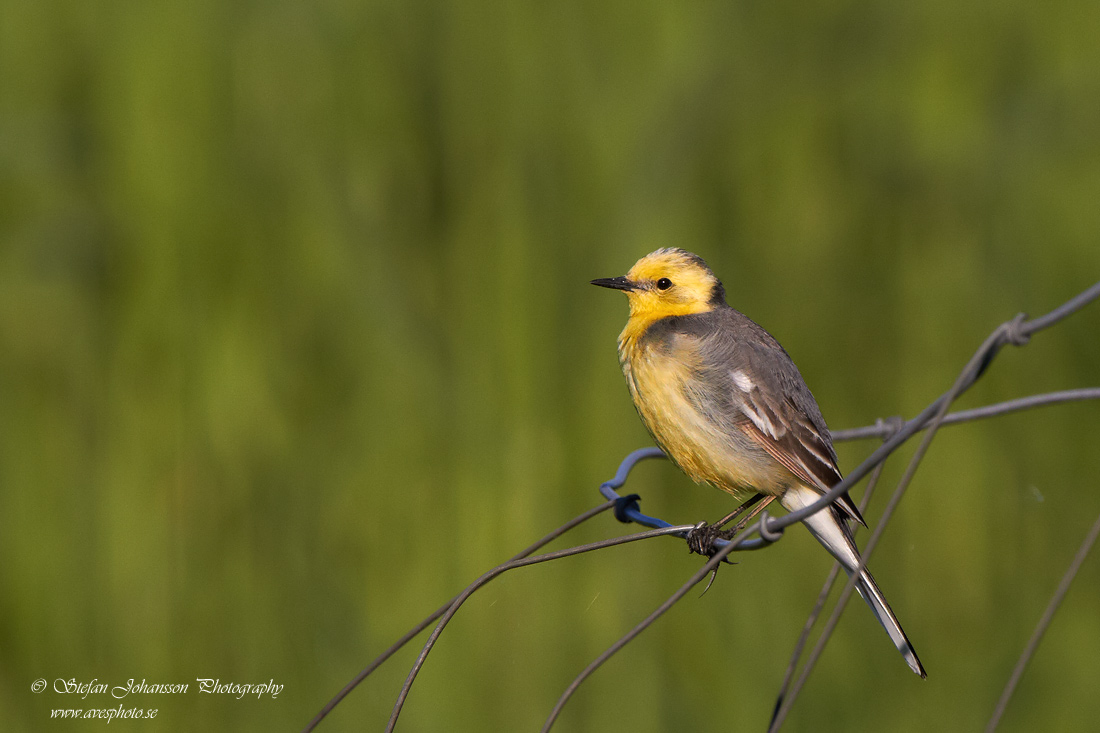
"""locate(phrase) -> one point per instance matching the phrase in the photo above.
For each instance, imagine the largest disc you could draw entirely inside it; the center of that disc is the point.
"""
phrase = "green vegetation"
(296, 340)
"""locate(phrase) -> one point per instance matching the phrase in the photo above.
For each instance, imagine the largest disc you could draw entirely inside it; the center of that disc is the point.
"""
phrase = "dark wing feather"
(769, 401)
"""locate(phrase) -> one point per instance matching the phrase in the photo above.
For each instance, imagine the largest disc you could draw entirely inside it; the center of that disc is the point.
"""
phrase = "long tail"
(837, 539)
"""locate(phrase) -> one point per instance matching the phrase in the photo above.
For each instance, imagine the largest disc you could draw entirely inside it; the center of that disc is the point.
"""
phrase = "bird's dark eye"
(664, 284)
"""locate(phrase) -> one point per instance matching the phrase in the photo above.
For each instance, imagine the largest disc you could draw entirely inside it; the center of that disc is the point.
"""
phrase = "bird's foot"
(702, 537)
(701, 541)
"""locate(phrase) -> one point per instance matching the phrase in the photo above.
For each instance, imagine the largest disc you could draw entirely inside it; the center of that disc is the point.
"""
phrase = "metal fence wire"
(767, 530)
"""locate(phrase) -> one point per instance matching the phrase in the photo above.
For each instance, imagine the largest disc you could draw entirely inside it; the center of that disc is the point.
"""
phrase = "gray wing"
(764, 396)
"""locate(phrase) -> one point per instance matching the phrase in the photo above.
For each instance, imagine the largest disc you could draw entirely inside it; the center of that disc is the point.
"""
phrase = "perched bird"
(726, 403)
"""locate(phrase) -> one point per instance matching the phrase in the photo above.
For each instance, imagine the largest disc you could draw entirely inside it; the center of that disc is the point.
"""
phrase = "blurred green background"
(296, 339)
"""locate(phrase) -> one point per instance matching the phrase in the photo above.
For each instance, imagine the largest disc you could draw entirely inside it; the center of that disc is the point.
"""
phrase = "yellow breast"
(660, 377)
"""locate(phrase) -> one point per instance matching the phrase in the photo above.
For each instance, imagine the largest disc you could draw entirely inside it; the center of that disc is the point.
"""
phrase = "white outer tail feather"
(836, 538)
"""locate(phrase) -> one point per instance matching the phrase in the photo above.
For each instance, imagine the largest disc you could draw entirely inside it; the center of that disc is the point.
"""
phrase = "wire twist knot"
(889, 427)
(767, 533)
(625, 504)
(1014, 332)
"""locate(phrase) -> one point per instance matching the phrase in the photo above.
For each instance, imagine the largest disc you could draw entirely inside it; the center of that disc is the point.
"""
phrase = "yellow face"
(668, 282)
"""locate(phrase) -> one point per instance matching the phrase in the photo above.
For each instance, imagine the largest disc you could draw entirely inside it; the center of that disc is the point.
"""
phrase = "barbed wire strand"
(413, 632)
(1041, 627)
(497, 571)
(1016, 332)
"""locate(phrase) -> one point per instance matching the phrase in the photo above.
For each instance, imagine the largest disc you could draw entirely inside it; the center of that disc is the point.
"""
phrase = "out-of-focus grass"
(296, 340)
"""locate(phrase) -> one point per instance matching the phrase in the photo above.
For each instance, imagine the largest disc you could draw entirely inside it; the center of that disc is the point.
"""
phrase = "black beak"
(615, 283)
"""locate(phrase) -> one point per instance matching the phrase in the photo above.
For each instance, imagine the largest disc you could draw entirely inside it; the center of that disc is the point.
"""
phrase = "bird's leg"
(737, 512)
(729, 533)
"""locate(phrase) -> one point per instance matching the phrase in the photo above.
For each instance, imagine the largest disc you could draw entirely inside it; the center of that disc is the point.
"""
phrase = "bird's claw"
(701, 539)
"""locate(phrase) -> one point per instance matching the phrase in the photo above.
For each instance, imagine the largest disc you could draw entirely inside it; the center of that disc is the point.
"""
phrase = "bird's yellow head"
(668, 282)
